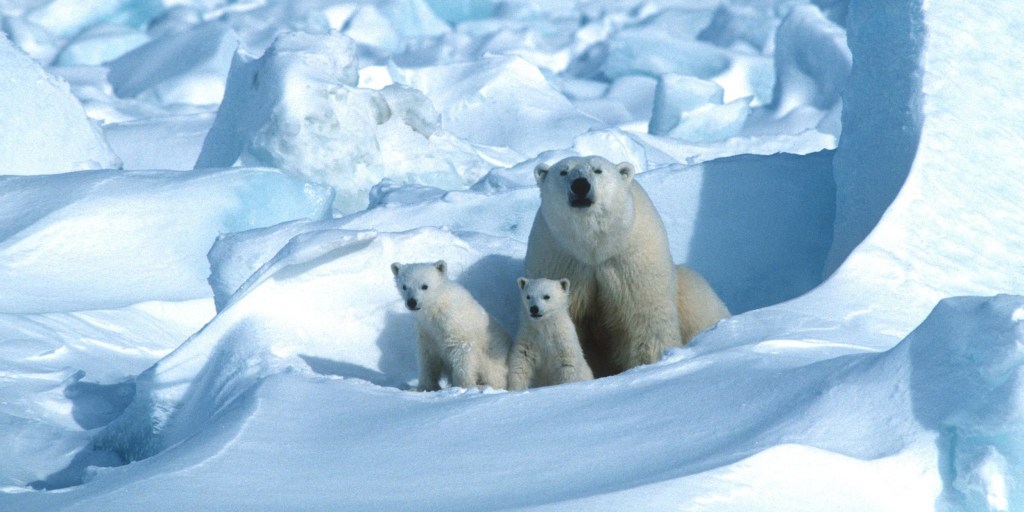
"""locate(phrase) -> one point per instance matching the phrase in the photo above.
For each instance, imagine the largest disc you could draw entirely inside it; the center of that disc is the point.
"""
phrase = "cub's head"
(543, 296)
(419, 282)
(585, 183)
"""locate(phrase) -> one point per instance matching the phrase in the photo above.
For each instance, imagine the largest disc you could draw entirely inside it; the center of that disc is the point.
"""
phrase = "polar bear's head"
(419, 282)
(585, 182)
(587, 203)
(543, 296)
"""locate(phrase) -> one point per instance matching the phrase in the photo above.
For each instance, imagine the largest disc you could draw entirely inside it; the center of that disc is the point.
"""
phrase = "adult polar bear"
(598, 228)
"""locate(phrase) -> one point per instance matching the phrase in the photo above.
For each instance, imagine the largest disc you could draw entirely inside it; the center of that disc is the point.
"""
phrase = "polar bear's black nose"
(534, 310)
(580, 186)
(411, 303)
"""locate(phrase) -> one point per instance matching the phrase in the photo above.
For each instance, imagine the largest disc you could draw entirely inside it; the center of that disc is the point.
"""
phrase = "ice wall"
(881, 117)
(930, 146)
(43, 128)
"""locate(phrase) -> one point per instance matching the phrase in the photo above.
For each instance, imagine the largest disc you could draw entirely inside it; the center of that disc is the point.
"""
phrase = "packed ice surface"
(270, 367)
(298, 108)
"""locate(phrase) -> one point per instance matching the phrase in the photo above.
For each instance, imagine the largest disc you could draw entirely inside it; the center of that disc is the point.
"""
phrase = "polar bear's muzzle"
(581, 193)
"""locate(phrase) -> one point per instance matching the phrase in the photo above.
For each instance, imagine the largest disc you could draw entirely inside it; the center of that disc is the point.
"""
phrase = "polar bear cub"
(458, 339)
(547, 350)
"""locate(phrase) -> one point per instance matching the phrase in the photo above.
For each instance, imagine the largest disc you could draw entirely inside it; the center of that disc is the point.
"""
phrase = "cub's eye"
(546, 297)
(528, 297)
(563, 173)
(424, 287)
(404, 287)
(597, 171)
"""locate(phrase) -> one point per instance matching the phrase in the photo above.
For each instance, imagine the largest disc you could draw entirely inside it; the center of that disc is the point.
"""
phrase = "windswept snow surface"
(227, 338)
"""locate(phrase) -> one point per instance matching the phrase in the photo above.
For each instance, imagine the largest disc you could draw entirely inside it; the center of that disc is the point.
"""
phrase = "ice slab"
(187, 67)
(44, 128)
(106, 239)
(500, 101)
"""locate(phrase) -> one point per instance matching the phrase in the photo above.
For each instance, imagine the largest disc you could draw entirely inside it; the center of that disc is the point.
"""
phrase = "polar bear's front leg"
(638, 302)
(430, 368)
(464, 368)
(568, 369)
(520, 368)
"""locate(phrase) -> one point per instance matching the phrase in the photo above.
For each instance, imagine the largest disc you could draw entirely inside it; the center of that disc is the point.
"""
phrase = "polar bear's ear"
(441, 266)
(565, 284)
(626, 170)
(541, 172)
(395, 267)
(521, 282)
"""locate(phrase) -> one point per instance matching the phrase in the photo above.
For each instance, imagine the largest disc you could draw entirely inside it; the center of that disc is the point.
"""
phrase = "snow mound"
(325, 301)
(187, 67)
(53, 258)
(968, 382)
(45, 130)
(298, 108)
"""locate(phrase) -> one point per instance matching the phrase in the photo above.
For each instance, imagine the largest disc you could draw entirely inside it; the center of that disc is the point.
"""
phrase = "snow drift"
(125, 231)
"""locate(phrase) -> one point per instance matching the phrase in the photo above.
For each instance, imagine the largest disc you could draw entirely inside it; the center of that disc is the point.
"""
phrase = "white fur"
(547, 350)
(625, 300)
(458, 339)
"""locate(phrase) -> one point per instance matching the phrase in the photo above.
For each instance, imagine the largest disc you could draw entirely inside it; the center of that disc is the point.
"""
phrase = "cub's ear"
(441, 266)
(395, 267)
(626, 170)
(541, 172)
(521, 282)
(565, 284)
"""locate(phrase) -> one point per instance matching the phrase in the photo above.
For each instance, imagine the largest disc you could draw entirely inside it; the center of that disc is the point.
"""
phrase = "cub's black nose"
(411, 303)
(580, 186)
(534, 310)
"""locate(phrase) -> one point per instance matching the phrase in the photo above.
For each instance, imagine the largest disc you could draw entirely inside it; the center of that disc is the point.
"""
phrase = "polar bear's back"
(698, 304)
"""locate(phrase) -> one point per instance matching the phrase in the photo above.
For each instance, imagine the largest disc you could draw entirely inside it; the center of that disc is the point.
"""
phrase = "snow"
(226, 335)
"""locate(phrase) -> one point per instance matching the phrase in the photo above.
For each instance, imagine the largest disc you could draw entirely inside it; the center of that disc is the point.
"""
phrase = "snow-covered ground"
(199, 201)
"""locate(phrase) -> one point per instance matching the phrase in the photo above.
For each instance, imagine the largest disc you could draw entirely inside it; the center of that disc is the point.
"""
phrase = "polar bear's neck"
(592, 235)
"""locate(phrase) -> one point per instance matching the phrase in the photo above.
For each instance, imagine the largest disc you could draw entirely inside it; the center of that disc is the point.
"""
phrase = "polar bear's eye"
(424, 287)
(404, 287)
(546, 297)
(563, 173)
(529, 298)
(597, 171)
